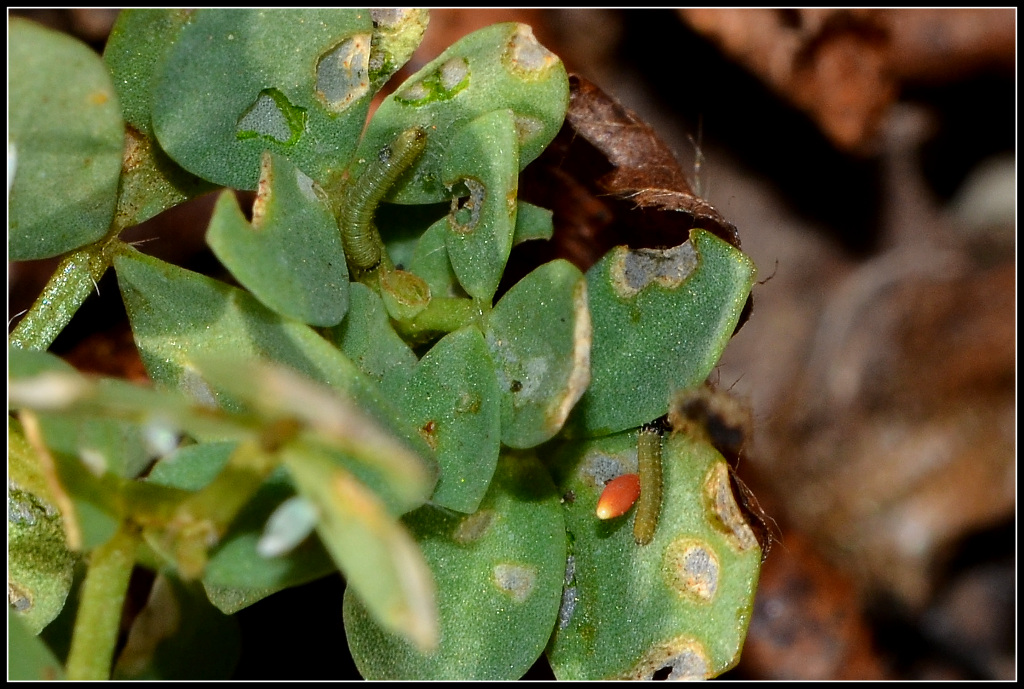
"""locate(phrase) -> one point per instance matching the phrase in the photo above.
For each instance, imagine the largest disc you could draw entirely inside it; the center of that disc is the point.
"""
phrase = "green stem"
(204, 517)
(75, 277)
(99, 613)
(442, 315)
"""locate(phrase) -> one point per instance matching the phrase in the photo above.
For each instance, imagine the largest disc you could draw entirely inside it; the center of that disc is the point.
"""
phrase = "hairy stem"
(75, 277)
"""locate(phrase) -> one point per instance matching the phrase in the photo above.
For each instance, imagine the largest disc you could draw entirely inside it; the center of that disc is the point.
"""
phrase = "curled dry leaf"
(610, 180)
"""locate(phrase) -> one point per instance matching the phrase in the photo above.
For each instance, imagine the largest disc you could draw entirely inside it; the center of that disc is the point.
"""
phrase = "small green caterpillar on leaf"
(362, 248)
(648, 505)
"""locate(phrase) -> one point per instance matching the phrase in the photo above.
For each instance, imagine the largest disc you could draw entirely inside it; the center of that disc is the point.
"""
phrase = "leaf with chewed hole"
(499, 575)
(539, 337)
(452, 398)
(483, 158)
(661, 321)
(290, 256)
(64, 122)
(496, 68)
(379, 559)
(680, 603)
(239, 82)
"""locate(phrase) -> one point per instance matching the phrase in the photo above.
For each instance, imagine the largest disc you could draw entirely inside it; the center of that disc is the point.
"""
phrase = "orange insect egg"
(618, 496)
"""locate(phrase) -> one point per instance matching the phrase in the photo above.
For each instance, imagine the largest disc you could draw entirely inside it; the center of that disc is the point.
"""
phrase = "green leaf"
(151, 182)
(430, 262)
(67, 135)
(290, 257)
(684, 600)
(402, 226)
(106, 444)
(496, 68)
(661, 322)
(193, 466)
(204, 337)
(178, 635)
(367, 338)
(29, 658)
(139, 43)
(499, 576)
(40, 567)
(532, 222)
(539, 337)
(453, 398)
(379, 559)
(483, 158)
(238, 82)
(41, 381)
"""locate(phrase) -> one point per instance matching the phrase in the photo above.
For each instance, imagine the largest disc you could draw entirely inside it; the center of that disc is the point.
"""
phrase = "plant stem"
(442, 315)
(202, 519)
(75, 277)
(99, 613)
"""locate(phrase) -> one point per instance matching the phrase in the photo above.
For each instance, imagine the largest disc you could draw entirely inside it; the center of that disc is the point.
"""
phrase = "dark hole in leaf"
(662, 673)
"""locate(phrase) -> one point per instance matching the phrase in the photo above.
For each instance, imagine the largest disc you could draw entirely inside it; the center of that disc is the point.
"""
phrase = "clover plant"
(366, 397)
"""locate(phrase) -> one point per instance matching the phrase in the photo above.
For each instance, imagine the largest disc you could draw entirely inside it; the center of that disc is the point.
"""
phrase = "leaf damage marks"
(397, 33)
(691, 569)
(526, 57)
(263, 192)
(527, 127)
(569, 592)
(722, 504)
(272, 116)
(464, 216)
(472, 527)
(343, 73)
(18, 597)
(598, 468)
(633, 270)
(579, 375)
(444, 83)
(683, 657)
(515, 579)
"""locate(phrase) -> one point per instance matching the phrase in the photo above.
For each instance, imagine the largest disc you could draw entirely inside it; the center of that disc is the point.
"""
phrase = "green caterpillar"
(648, 505)
(362, 246)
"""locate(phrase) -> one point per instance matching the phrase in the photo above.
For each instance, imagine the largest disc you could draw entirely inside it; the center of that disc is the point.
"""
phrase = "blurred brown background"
(867, 158)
